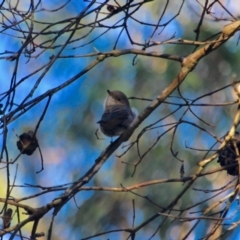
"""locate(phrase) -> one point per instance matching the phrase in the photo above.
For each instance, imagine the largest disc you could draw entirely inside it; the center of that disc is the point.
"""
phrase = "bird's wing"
(118, 114)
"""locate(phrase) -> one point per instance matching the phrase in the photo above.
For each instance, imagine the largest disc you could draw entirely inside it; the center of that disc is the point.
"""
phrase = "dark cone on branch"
(111, 8)
(228, 155)
(27, 143)
(7, 217)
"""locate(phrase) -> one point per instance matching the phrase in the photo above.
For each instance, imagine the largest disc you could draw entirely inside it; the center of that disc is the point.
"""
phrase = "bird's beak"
(109, 92)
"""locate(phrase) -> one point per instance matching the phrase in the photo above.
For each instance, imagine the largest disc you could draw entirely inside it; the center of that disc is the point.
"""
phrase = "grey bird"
(117, 115)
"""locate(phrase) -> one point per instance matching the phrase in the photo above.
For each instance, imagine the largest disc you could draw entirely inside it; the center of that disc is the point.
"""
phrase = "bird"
(117, 115)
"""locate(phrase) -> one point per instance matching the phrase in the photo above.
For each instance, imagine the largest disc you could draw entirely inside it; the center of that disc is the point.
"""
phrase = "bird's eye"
(119, 99)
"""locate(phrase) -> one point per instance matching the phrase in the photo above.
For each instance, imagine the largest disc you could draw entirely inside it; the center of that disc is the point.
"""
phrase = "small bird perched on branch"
(117, 115)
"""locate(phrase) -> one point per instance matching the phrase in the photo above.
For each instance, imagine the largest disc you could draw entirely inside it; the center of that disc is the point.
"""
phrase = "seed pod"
(27, 143)
(7, 217)
(228, 156)
(111, 8)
